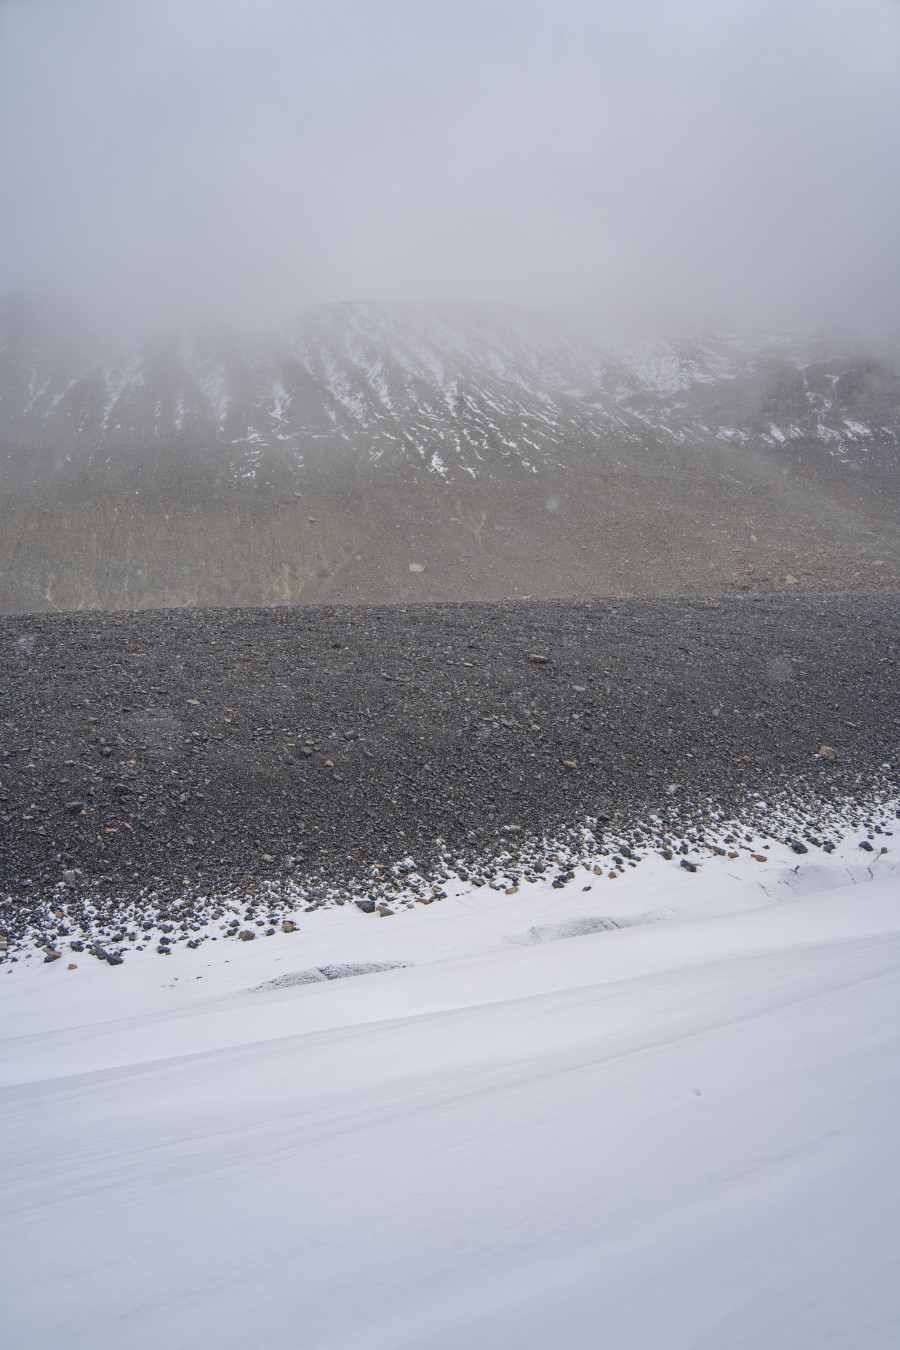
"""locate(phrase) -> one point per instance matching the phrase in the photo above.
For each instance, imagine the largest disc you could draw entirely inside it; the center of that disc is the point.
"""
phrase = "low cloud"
(651, 162)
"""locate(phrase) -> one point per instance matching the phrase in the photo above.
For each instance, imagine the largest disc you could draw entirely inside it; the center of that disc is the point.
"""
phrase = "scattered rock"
(246, 935)
(229, 771)
(827, 752)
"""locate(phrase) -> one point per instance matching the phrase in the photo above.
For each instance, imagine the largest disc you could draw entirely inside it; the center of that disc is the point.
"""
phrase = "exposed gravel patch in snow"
(317, 974)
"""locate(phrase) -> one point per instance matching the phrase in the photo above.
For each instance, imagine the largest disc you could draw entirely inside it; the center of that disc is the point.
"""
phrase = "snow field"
(675, 1133)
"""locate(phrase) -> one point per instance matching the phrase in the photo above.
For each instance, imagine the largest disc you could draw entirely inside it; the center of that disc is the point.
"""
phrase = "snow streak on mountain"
(451, 387)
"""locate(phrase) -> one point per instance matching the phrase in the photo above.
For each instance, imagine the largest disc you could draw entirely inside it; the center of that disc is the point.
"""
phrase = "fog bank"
(693, 163)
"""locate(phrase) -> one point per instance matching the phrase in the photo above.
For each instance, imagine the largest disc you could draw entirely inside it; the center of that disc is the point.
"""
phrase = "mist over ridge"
(376, 452)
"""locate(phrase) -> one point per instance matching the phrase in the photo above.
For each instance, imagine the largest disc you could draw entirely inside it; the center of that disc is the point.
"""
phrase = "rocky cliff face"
(382, 452)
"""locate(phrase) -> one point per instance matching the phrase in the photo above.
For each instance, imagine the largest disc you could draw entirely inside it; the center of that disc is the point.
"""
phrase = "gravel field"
(155, 764)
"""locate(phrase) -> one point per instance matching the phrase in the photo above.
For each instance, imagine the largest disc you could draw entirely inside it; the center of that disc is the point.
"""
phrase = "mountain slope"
(497, 451)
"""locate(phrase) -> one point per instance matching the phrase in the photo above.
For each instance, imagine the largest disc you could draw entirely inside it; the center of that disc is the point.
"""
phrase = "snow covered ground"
(535, 1130)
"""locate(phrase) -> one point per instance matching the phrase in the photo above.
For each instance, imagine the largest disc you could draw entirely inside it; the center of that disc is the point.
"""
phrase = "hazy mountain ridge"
(447, 386)
(502, 444)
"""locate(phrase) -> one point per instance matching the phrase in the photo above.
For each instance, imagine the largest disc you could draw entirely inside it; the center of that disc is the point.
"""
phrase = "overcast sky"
(726, 161)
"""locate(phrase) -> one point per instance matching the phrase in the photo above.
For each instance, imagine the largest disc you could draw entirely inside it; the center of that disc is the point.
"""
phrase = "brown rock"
(827, 752)
(288, 926)
(760, 857)
(247, 935)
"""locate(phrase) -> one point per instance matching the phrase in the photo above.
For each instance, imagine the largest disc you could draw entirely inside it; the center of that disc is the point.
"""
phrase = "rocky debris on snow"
(656, 723)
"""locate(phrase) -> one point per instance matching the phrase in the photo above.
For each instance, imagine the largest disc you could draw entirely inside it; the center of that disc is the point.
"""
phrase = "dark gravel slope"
(230, 746)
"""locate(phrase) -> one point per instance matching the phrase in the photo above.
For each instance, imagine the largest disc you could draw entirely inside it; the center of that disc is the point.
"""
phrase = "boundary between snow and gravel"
(591, 886)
